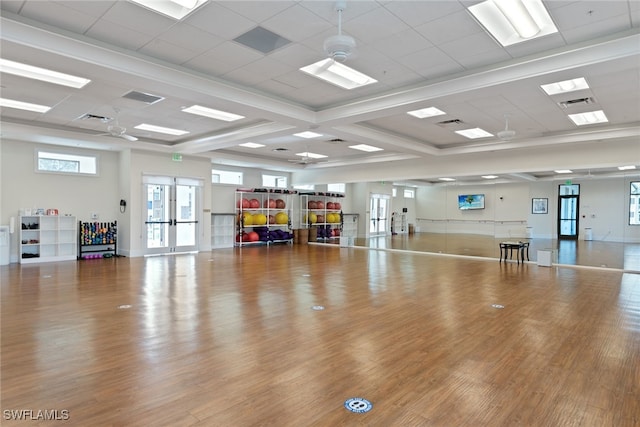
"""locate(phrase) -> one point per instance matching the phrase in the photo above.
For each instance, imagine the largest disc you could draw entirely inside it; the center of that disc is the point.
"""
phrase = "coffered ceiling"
(422, 54)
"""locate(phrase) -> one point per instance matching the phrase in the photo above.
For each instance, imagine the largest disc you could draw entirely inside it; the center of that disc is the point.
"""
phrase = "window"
(67, 163)
(409, 194)
(337, 188)
(634, 203)
(394, 192)
(307, 187)
(274, 181)
(226, 177)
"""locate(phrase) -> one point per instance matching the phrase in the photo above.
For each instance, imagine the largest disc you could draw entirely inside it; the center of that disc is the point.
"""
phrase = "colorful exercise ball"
(243, 203)
(337, 206)
(272, 219)
(259, 219)
(247, 218)
(330, 217)
(280, 204)
(312, 218)
(330, 205)
(312, 204)
(269, 203)
(254, 203)
(252, 236)
(282, 218)
(320, 219)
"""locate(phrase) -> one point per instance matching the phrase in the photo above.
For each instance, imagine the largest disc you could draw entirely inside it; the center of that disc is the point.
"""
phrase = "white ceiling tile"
(92, 8)
(306, 25)
(234, 54)
(596, 29)
(258, 11)
(585, 13)
(190, 37)
(118, 35)
(448, 28)
(431, 63)
(416, 13)
(375, 25)
(12, 6)
(168, 52)
(402, 44)
(216, 19)
(137, 18)
(58, 15)
(470, 45)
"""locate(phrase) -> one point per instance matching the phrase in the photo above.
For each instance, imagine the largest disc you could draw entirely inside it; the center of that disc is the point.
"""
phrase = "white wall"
(604, 207)
(23, 187)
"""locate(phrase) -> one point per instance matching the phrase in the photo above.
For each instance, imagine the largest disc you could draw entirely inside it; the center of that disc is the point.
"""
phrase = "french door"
(171, 214)
(379, 214)
(568, 211)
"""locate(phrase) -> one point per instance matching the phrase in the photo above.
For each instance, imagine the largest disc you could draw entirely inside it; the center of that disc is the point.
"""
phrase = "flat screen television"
(470, 201)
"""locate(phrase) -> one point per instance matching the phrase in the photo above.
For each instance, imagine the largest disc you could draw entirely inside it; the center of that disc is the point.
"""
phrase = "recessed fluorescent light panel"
(42, 74)
(338, 74)
(565, 86)
(489, 176)
(211, 113)
(447, 179)
(626, 168)
(160, 129)
(365, 147)
(514, 21)
(311, 155)
(563, 171)
(19, 105)
(426, 112)
(307, 134)
(474, 133)
(588, 118)
(176, 9)
(251, 145)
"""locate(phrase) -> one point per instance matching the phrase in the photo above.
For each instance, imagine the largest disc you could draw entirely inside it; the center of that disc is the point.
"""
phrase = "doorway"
(379, 213)
(171, 207)
(568, 211)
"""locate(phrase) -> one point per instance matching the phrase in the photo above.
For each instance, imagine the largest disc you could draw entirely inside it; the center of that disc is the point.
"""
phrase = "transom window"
(66, 163)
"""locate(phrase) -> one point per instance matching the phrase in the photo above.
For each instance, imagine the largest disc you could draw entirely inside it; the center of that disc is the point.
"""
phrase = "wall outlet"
(94, 215)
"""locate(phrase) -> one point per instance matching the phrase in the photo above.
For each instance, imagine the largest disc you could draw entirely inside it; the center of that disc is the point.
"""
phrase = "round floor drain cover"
(124, 307)
(318, 307)
(358, 404)
(497, 305)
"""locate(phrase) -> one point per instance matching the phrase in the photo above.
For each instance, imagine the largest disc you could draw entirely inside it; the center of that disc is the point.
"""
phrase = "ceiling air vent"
(103, 119)
(262, 40)
(336, 141)
(147, 98)
(450, 123)
(280, 149)
(573, 102)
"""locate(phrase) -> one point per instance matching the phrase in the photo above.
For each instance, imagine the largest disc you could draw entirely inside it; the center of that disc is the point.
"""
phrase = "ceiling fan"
(118, 131)
(306, 159)
(506, 134)
(341, 46)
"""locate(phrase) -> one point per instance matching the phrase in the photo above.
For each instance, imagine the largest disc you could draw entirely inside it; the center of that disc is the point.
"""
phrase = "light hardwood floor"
(230, 338)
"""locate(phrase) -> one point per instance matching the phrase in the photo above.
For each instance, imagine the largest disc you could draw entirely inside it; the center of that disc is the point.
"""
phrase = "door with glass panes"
(568, 211)
(171, 215)
(379, 214)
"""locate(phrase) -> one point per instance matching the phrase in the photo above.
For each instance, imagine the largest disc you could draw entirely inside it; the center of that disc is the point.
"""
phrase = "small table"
(509, 247)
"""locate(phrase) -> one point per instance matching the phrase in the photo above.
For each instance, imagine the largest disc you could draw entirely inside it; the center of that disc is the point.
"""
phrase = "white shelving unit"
(263, 217)
(45, 238)
(222, 230)
(322, 214)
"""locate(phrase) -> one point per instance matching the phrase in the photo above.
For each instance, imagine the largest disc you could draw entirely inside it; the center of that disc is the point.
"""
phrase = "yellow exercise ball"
(282, 218)
(259, 219)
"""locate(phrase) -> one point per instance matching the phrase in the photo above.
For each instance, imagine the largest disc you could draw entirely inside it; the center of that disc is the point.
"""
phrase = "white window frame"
(223, 172)
(277, 181)
(337, 187)
(305, 187)
(88, 164)
(409, 193)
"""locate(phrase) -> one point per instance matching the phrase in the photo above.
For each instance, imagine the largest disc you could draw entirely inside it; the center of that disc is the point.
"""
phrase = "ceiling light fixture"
(565, 86)
(474, 133)
(589, 118)
(563, 171)
(447, 179)
(338, 74)
(42, 74)
(252, 145)
(490, 176)
(514, 21)
(365, 147)
(19, 105)
(160, 129)
(307, 134)
(176, 9)
(426, 112)
(311, 155)
(211, 113)
(626, 168)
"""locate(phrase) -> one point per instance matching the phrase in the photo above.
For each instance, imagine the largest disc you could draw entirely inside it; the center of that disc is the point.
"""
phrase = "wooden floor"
(231, 338)
(624, 256)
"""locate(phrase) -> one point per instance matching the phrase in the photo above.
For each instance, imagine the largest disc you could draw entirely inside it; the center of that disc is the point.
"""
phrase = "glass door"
(379, 213)
(568, 211)
(171, 209)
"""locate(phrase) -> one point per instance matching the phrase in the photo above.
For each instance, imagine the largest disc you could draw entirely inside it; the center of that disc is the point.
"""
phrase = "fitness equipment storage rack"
(321, 213)
(270, 203)
(45, 238)
(97, 239)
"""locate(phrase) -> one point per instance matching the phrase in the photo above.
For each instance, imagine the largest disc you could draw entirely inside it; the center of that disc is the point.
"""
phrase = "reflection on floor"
(624, 256)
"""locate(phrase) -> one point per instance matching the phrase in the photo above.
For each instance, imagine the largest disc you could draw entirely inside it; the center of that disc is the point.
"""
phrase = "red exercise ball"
(319, 204)
(330, 205)
(244, 203)
(280, 204)
(270, 203)
(337, 206)
(312, 204)
(254, 203)
(252, 236)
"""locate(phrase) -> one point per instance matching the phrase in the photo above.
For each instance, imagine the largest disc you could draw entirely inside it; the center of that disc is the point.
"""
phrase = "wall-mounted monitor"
(470, 201)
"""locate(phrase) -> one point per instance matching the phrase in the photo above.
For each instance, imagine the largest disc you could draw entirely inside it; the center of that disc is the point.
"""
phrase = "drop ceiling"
(422, 53)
